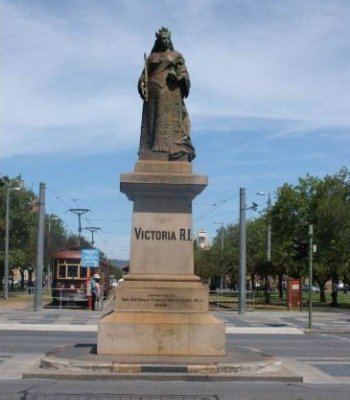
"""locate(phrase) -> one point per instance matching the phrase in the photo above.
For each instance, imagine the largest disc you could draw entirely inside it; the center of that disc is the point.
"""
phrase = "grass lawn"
(343, 299)
(23, 300)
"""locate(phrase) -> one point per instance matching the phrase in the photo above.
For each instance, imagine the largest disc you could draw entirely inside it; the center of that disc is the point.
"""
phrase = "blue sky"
(269, 100)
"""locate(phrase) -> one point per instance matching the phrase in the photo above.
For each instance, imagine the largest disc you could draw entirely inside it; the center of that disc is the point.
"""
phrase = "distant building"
(202, 239)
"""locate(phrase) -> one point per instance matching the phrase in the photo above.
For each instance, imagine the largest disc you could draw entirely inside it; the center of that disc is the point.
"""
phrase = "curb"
(284, 376)
(70, 365)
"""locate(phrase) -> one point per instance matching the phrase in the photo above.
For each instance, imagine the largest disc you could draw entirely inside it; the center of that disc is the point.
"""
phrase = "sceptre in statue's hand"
(145, 82)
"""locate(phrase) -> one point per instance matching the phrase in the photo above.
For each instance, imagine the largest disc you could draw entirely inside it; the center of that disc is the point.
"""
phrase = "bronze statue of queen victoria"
(163, 85)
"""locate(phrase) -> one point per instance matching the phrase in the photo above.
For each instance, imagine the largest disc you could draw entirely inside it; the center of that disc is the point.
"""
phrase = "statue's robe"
(165, 127)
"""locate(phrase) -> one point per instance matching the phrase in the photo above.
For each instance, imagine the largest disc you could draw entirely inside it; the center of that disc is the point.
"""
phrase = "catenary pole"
(242, 251)
(79, 212)
(92, 230)
(40, 250)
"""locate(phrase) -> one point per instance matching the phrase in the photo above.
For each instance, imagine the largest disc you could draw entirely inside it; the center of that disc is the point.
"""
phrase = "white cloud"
(70, 68)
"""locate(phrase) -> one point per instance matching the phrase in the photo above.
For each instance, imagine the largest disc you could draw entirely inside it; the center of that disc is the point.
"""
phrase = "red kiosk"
(294, 291)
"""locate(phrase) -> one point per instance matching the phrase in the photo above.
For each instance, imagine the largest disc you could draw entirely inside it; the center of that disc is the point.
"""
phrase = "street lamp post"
(92, 229)
(48, 280)
(268, 246)
(7, 241)
(268, 243)
(222, 248)
(269, 228)
(40, 250)
(242, 251)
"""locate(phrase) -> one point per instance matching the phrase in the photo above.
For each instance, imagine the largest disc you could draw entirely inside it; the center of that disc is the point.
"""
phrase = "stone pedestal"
(161, 307)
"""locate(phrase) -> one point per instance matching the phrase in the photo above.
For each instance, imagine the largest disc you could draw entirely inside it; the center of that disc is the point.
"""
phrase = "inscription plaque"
(163, 299)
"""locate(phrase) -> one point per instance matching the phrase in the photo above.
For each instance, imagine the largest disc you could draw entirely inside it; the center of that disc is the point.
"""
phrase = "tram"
(71, 281)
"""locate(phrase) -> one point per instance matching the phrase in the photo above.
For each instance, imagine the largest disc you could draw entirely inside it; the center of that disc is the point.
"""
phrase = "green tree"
(203, 265)
(289, 220)
(332, 230)
(231, 253)
(257, 263)
(216, 262)
(22, 225)
(325, 204)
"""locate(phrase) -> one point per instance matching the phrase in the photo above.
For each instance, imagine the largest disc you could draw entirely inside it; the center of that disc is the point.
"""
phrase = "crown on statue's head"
(163, 31)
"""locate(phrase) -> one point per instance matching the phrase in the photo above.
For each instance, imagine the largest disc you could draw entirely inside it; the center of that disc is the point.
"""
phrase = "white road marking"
(262, 330)
(48, 328)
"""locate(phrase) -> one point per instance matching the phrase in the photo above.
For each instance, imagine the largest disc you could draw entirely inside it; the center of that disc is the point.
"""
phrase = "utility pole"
(7, 241)
(222, 237)
(242, 251)
(79, 212)
(311, 233)
(92, 229)
(40, 250)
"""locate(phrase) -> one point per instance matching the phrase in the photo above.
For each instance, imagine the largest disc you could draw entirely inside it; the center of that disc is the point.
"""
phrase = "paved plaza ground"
(253, 322)
(323, 358)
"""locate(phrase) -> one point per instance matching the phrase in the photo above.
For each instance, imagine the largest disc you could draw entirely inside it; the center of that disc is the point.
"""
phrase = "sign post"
(311, 233)
(90, 258)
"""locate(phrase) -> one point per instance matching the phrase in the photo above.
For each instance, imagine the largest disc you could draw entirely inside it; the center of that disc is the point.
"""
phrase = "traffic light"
(304, 250)
(300, 249)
